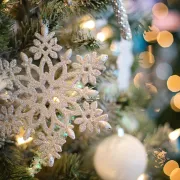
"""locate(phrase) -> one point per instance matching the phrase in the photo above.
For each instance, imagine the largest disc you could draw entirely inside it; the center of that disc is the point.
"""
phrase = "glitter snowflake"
(47, 96)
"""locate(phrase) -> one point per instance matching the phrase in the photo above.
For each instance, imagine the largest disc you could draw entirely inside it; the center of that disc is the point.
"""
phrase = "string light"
(21, 141)
(105, 33)
(101, 36)
(90, 24)
(56, 100)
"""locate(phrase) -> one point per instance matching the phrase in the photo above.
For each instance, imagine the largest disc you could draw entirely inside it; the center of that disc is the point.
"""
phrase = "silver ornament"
(122, 19)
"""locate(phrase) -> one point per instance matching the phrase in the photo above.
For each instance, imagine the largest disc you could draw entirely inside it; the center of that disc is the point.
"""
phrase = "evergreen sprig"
(12, 164)
(69, 167)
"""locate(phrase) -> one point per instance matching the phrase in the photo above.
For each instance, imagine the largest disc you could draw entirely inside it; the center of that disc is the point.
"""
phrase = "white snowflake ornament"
(47, 97)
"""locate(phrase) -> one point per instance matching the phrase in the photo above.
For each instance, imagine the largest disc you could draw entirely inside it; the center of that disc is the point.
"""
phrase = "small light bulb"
(21, 141)
(56, 100)
(88, 25)
(101, 36)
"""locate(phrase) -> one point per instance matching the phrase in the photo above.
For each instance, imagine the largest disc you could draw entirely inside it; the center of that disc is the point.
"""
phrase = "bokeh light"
(90, 24)
(105, 33)
(138, 80)
(101, 36)
(163, 71)
(169, 167)
(165, 39)
(173, 105)
(174, 135)
(151, 88)
(143, 177)
(177, 100)
(151, 36)
(146, 59)
(175, 175)
(173, 83)
(160, 10)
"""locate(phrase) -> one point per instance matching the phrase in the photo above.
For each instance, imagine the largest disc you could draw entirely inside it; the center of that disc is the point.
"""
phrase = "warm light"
(105, 33)
(175, 175)
(138, 80)
(101, 36)
(160, 10)
(151, 88)
(173, 106)
(174, 135)
(146, 59)
(173, 83)
(177, 100)
(151, 36)
(142, 177)
(165, 39)
(90, 24)
(169, 167)
(21, 141)
(56, 100)
(5, 1)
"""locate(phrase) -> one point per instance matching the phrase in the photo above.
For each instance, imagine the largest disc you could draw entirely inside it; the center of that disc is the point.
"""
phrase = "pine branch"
(12, 164)
(70, 166)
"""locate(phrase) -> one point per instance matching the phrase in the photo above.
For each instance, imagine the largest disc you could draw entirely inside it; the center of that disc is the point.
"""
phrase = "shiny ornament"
(122, 19)
(120, 158)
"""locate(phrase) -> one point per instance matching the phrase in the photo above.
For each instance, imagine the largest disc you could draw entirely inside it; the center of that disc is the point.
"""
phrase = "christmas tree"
(78, 92)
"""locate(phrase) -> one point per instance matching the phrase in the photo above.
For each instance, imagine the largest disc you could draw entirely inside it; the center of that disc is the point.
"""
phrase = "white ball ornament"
(120, 158)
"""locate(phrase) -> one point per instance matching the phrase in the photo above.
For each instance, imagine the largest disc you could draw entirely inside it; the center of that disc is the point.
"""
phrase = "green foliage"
(12, 164)
(5, 29)
(69, 167)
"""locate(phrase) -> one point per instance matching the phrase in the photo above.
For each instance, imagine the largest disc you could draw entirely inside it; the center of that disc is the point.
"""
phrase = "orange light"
(138, 80)
(173, 106)
(165, 39)
(146, 59)
(151, 36)
(170, 166)
(175, 175)
(177, 100)
(173, 83)
(160, 10)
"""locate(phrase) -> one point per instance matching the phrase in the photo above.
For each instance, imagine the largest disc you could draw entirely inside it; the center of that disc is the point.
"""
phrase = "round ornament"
(120, 158)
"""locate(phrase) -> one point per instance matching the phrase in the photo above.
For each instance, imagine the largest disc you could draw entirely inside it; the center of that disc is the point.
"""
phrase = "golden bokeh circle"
(138, 80)
(177, 100)
(169, 167)
(146, 59)
(173, 83)
(160, 10)
(151, 35)
(175, 175)
(173, 107)
(165, 39)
